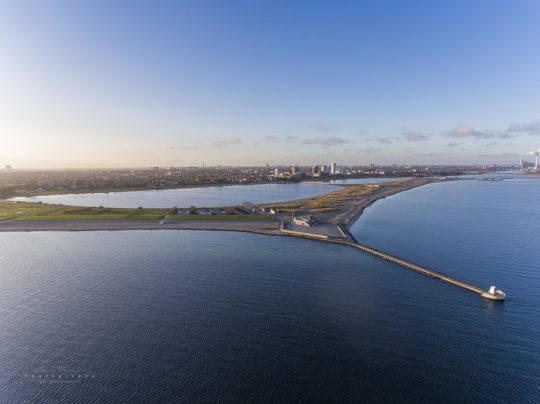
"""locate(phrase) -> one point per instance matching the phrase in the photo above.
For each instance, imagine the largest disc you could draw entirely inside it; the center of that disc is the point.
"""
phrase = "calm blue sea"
(228, 317)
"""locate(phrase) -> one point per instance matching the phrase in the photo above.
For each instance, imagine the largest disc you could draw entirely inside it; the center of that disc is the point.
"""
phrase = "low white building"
(306, 221)
(268, 211)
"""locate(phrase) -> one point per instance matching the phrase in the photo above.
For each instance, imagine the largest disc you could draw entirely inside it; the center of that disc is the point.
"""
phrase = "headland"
(327, 217)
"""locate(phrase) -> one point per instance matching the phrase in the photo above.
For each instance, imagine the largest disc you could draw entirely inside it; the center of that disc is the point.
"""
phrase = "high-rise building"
(333, 169)
(323, 169)
(8, 167)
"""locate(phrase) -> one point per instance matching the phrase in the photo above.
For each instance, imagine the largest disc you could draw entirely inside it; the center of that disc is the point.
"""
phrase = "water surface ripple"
(208, 316)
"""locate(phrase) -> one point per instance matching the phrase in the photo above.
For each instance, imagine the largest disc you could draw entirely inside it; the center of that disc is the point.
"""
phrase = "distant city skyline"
(135, 84)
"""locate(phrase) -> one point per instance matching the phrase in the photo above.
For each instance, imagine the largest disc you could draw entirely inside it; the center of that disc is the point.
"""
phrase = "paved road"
(263, 227)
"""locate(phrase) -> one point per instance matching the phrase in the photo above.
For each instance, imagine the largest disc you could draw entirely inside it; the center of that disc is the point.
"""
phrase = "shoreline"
(348, 215)
(323, 181)
(371, 201)
(270, 228)
(34, 194)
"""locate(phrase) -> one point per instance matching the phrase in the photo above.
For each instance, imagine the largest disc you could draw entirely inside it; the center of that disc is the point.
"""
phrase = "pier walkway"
(417, 268)
(351, 242)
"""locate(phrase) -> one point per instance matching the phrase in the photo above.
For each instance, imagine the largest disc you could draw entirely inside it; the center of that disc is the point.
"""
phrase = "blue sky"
(137, 83)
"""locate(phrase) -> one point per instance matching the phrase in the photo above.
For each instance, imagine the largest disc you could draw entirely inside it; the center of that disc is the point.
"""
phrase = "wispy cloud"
(369, 150)
(384, 139)
(531, 153)
(275, 138)
(463, 131)
(360, 132)
(325, 135)
(500, 155)
(224, 142)
(324, 128)
(325, 140)
(180, 147)
(532, 128)
(407, 135)
(271, 138)
(432, 154)
(415, 136)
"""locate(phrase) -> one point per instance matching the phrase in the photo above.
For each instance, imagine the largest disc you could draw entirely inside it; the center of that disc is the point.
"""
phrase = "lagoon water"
(203, 197)
(208, 316)
(186, 197)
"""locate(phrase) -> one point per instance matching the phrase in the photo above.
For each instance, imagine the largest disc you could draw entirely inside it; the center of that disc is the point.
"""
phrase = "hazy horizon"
(282, 165)
(138, 84)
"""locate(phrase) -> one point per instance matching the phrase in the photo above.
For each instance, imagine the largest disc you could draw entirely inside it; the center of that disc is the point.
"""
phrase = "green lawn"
(12, 210)
(37, 211)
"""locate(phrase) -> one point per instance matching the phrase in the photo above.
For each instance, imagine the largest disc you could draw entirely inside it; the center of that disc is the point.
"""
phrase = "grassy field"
(12, 210)
(37, 211)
